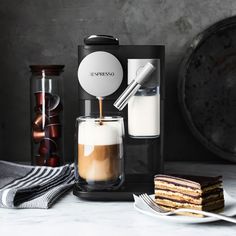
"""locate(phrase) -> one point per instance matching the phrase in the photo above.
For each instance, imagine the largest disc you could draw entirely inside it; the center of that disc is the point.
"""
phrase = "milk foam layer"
(92, 133)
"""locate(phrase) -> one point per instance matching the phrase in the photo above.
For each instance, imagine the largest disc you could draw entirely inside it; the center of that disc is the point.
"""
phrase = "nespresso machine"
(130, 78)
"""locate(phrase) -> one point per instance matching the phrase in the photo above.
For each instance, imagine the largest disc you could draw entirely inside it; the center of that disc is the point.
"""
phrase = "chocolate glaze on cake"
(190, 180)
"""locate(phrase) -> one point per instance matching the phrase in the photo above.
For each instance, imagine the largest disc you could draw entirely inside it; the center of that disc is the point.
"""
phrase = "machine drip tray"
(125, 193)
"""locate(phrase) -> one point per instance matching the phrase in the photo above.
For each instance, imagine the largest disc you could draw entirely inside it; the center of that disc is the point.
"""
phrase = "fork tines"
(151, 203)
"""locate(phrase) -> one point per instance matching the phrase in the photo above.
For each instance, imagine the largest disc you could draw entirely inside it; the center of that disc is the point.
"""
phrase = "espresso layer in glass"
(99, 162)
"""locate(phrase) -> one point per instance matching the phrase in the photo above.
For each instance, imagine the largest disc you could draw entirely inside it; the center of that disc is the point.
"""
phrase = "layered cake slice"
(193, 192)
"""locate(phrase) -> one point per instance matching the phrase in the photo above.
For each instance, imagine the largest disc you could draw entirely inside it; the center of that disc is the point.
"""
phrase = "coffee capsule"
(37, 135)
(39, 120)
(47, 146)
(55, 111)
(53, 131)
(38, 109)
(40, 160)
(53, 161)
(40, 97)
(54, 119)
(55, 106)
(54, 102)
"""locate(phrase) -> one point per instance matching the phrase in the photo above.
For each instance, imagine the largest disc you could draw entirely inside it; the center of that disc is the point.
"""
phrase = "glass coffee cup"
(99, 153)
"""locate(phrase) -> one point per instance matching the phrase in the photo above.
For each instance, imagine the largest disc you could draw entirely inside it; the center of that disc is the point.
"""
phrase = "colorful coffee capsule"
(38, 109)
(40, 121)
(55, 111)
(53, 161)
(53, 131)
(37, 135)
(54, 119)
(40, 160)
(47, 146)
(55, 106)
(42, 98)
(54, 102)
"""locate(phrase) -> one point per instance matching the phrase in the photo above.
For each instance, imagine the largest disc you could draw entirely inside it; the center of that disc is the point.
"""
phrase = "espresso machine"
(130, 78)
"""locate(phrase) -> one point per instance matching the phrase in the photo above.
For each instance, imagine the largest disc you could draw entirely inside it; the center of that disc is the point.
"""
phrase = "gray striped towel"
(23, 186)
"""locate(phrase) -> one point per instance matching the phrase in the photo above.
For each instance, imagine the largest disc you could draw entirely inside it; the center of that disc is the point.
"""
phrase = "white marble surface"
(72, 216)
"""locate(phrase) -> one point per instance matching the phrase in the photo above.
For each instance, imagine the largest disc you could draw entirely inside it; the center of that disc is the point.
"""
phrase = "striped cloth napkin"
(23, 186)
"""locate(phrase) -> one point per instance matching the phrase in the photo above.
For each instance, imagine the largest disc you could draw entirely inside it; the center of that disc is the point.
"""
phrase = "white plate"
(229, 210)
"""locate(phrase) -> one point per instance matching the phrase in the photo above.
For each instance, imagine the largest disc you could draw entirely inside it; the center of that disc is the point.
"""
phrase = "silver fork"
(157, 209)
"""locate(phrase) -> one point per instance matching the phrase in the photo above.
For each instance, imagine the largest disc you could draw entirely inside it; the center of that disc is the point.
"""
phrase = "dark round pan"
(207, 88)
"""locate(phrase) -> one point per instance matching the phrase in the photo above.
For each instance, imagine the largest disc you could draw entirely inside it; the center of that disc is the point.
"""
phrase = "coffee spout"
(134, 86)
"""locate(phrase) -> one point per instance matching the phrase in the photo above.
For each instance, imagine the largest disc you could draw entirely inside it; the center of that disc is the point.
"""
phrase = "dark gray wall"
(48, 32)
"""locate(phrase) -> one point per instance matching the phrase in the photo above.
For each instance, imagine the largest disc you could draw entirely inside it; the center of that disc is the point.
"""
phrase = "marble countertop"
(76, 217)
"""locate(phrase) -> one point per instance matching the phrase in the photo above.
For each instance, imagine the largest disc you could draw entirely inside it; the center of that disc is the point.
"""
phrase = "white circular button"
(100, 74)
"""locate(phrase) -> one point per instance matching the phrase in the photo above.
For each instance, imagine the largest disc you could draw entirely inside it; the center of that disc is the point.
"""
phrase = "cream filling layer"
(182, 197)
(209, 206)
(185, 189)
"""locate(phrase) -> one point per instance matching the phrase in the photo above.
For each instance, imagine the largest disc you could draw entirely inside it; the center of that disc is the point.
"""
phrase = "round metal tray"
(207, 88)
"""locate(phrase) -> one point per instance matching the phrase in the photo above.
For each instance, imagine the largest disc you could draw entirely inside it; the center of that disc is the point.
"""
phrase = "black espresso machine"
(101, 60)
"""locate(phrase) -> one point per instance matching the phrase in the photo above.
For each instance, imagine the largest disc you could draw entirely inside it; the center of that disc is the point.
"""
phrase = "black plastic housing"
(143, 157)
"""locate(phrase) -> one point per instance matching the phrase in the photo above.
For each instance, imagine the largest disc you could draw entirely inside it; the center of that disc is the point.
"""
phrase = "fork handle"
(205, 213)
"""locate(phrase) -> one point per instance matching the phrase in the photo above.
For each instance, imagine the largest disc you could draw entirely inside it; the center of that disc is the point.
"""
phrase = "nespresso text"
(102, 73)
